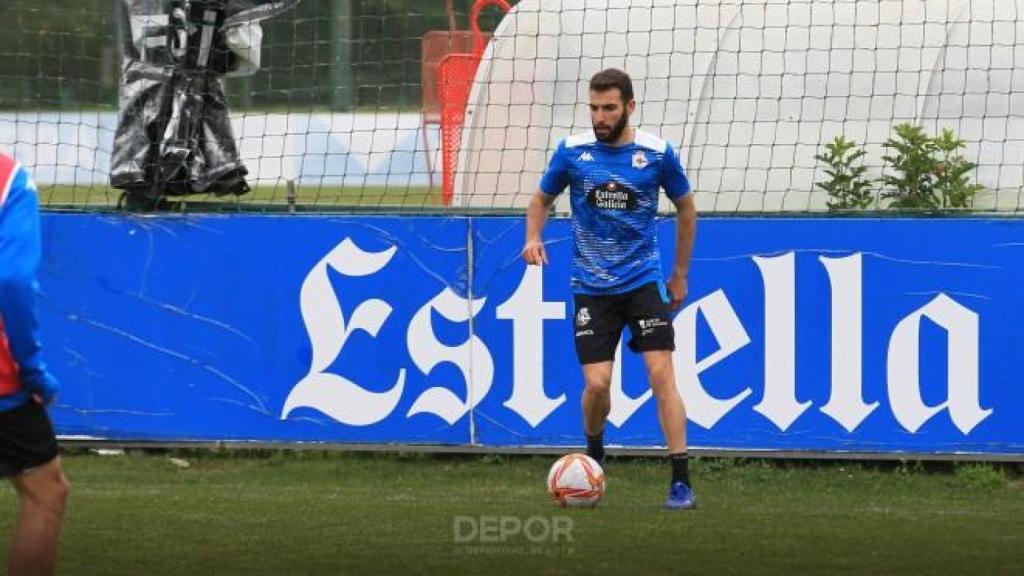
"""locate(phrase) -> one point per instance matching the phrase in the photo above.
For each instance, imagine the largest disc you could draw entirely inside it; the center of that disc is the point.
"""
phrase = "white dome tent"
(751, 90)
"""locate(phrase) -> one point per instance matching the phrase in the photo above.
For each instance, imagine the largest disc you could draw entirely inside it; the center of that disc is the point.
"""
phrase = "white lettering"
(561, 527)
(334, 395)
(527, 310)
(904, 380)
(489, 529)
(846, 405)
(511, 526)
(779, 403)
(349, 403)
(464, 529)
(427, 352)
(702, 408)
(533, 535)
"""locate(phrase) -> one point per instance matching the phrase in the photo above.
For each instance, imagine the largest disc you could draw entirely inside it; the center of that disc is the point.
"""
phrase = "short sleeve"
(556, 178)
(672, 175)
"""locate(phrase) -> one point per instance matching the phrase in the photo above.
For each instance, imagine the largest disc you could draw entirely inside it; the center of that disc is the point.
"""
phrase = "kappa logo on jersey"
(586, 157)
(612, 196)
(583, 317)
(640, 160)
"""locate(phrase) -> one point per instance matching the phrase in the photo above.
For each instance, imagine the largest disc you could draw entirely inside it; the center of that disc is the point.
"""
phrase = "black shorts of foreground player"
(614, 175)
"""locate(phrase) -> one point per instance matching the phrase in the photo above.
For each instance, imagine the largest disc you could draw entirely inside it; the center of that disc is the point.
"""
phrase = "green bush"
(921, 172)
(951, 169)
(912, 162)
(847, 188)
(927, 172)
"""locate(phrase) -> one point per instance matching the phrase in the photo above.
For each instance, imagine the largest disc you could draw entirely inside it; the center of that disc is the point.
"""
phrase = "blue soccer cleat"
(680, 497)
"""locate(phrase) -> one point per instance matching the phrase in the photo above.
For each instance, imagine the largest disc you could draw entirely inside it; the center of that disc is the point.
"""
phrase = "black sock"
(595, 447)
(680, 467)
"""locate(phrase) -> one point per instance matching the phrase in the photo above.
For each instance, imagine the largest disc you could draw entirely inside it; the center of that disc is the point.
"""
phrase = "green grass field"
(308, 197)
(330, 513)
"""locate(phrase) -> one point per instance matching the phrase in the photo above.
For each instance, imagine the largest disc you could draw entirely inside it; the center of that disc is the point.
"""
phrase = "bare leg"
(671, 411)
(42, 494)
(597, 400)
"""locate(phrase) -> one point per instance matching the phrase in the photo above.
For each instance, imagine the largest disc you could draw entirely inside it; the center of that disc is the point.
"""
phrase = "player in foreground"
(28, 446)
(614, 175)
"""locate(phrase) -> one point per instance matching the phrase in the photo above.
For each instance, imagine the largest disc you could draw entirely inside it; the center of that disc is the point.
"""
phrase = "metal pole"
(449, 6)
(289, 191)
(342, 85)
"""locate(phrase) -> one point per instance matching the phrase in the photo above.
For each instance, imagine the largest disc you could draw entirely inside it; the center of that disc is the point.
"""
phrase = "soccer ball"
(576, 481)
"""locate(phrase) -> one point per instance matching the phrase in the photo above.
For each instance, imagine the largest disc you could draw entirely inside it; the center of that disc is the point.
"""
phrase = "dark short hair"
(613, 78)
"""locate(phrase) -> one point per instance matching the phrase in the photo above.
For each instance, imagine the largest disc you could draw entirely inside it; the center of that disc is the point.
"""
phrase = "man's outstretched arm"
(20, 250)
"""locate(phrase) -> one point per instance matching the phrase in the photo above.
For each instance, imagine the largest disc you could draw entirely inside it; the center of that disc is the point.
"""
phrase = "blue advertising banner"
(863, 335)
(251, 328)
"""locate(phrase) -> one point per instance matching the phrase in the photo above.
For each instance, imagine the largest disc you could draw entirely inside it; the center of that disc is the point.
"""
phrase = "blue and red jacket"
(22, 371)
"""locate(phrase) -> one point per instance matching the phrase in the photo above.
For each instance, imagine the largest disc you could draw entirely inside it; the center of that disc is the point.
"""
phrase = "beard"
(615, 132)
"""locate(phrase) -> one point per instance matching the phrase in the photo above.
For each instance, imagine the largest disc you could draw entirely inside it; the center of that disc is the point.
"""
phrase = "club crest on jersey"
(640, 160)
(612, 196)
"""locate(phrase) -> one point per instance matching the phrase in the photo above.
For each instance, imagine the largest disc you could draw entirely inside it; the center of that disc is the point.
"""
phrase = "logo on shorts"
(583, 317)
(640, 160)
(648, 325)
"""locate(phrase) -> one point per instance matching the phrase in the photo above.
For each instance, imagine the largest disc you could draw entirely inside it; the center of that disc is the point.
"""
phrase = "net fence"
(401, 105)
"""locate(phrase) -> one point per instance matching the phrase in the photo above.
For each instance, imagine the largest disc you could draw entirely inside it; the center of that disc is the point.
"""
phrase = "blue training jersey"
(22, 371)
(614, 197)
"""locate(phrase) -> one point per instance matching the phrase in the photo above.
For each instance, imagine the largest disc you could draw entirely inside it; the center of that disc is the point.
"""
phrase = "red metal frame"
(455, 81)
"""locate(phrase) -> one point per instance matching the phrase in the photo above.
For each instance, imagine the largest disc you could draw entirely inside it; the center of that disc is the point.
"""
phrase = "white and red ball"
(576, 481)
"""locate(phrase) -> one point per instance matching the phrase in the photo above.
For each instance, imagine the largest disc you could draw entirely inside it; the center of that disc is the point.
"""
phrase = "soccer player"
(28, 447)
(614, 174)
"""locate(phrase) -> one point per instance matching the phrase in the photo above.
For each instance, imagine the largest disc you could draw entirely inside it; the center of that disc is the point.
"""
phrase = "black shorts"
(26, 439)
(601, 318)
